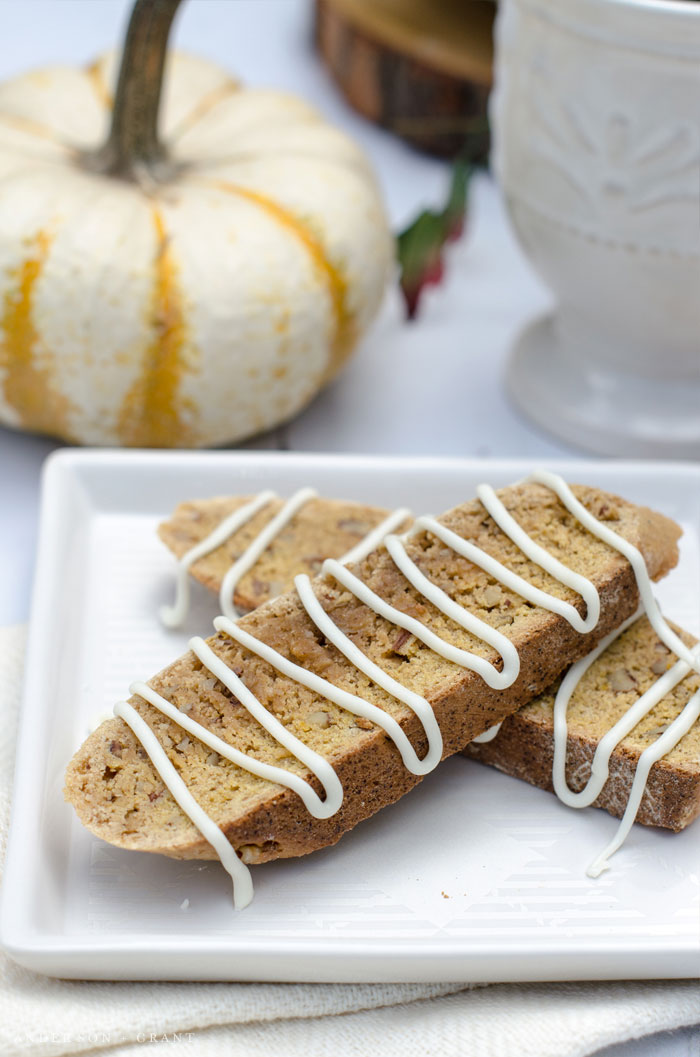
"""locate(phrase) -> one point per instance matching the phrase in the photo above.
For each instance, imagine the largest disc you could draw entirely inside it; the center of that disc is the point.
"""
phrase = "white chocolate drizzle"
(629, 551)
(460, 615)
(668, 740)
(418, 704)
(237, 870)
(313, 803)
(488, 735)
(546, 561)
(600, 767)
(174, 615)
(261, 542)
(372, 540)
(343, 698)
(690, 661)
(340, 640)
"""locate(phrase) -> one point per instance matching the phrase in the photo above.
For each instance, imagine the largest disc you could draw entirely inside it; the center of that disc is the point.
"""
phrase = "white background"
(431, 387)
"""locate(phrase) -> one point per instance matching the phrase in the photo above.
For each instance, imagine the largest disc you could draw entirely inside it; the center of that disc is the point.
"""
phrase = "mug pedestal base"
(598, 409)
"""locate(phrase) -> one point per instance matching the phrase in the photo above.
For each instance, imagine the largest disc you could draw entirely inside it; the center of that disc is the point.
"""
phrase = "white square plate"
(473, 876)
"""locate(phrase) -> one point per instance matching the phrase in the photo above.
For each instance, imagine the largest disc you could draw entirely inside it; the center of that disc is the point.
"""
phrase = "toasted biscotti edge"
(278, 825)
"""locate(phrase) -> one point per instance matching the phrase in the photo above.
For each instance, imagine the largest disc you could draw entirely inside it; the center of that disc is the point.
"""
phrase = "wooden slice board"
(421, 68)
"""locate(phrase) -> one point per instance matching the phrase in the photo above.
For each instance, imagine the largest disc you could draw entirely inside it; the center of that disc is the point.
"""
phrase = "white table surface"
(429, 387)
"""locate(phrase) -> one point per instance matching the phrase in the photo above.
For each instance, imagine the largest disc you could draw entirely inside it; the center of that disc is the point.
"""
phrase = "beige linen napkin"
(42, 1017)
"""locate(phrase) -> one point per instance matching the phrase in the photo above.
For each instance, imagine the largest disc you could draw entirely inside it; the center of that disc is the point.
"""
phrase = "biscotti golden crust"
(119, 796)
(524, 746)
(322, 528)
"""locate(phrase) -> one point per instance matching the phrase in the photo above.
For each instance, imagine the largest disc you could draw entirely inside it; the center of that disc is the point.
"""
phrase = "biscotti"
(295, 536)
(630, 667)
(120, 796)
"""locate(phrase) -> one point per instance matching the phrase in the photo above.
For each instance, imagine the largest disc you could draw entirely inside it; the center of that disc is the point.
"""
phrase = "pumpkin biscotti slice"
(120, 796)
(615, 682)
(301, 533)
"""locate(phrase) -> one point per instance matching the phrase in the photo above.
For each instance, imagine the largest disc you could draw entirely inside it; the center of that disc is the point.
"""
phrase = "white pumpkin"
(193, 301)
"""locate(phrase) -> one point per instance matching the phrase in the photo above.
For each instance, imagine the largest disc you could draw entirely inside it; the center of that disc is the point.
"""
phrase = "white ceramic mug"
(596, 116)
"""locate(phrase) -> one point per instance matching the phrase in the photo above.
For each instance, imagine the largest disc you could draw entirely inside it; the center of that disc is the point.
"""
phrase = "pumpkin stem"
(133, 149)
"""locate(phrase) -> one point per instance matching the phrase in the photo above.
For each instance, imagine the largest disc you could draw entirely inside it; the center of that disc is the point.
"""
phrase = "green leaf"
(421, 244)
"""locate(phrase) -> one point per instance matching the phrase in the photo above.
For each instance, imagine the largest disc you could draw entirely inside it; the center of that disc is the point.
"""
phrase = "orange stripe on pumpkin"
(345, 330)
(33, 128)
(151, 415)
(94, 74)
(204, 106)
(28, 386)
